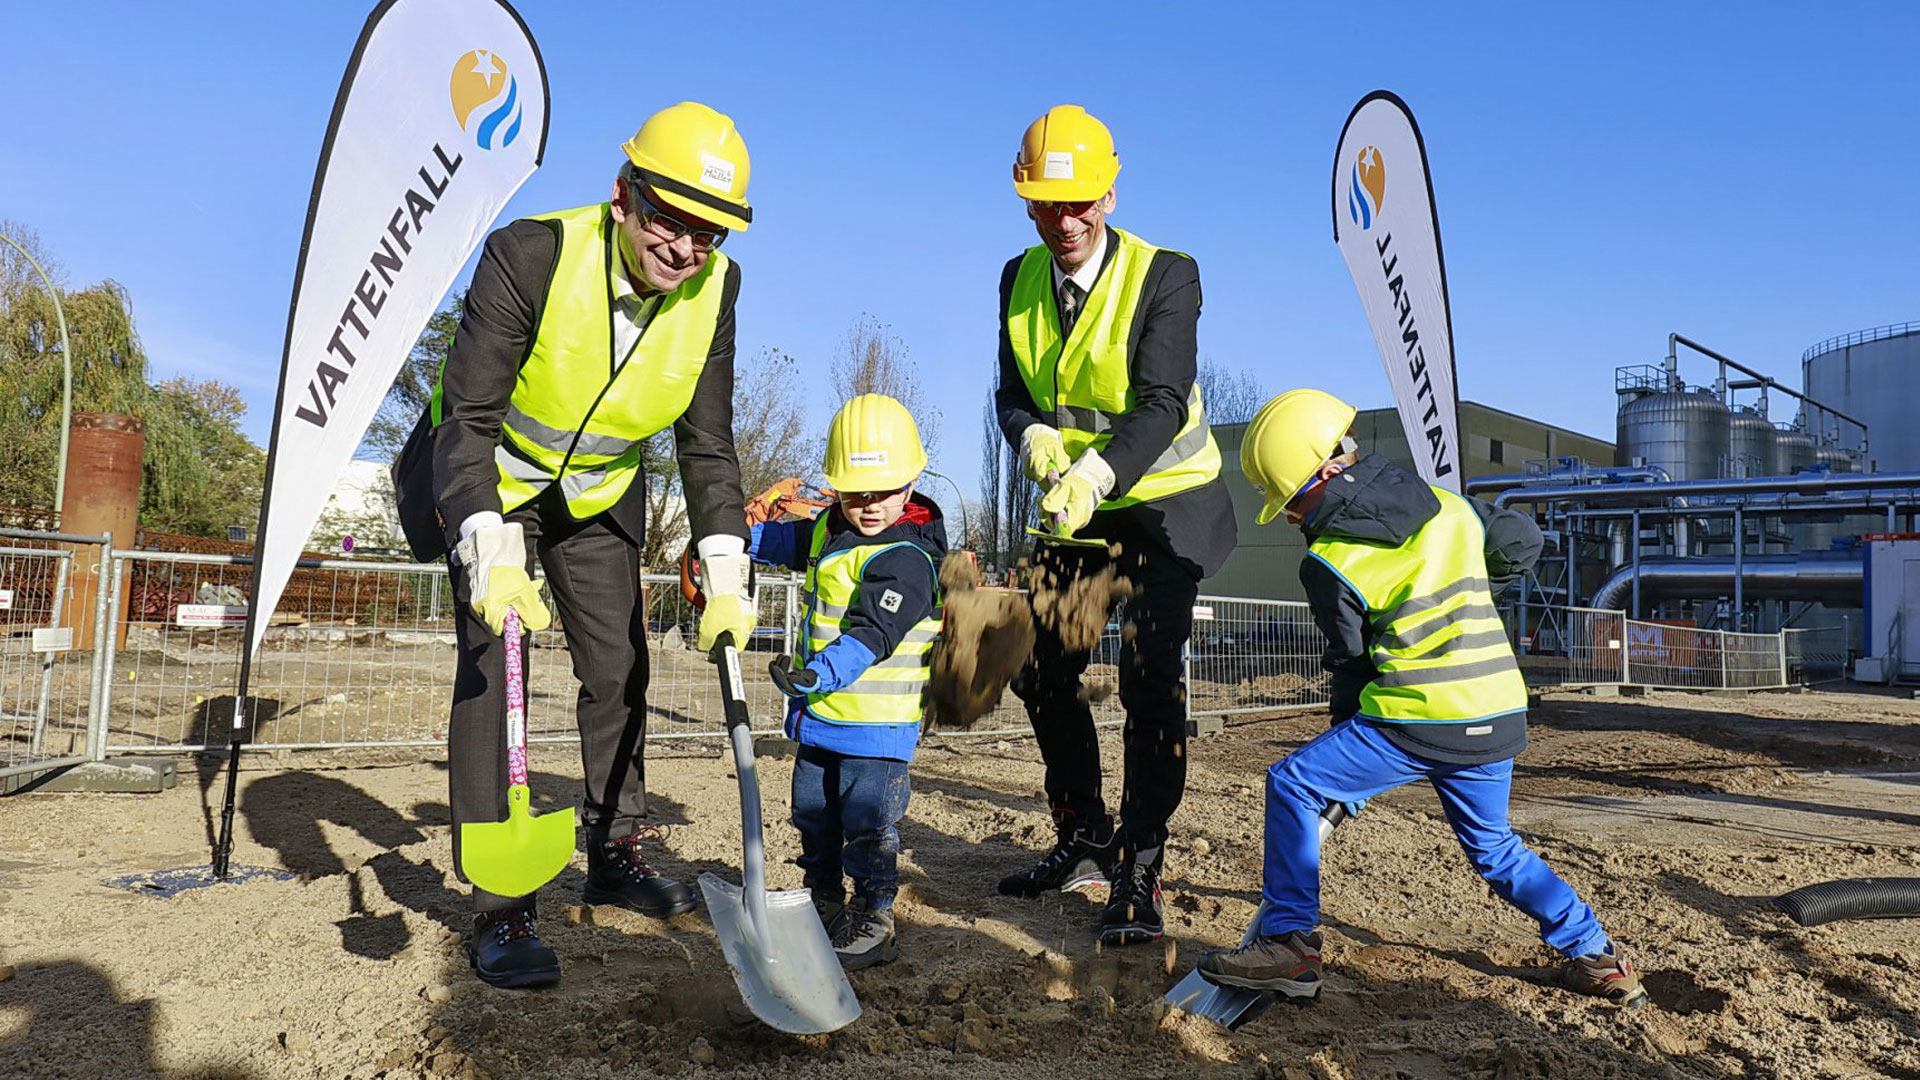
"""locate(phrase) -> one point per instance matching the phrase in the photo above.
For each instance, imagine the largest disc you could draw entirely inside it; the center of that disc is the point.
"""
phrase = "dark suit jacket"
(1196, 526)
(450, 469)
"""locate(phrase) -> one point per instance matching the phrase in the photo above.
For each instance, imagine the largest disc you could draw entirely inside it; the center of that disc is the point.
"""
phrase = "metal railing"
(49, 690)
(1860, 337)
(1817, 653)
(1250, 656)
(1590, 646)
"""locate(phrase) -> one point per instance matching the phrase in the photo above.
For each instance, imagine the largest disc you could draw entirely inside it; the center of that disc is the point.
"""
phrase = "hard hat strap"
(688, 191)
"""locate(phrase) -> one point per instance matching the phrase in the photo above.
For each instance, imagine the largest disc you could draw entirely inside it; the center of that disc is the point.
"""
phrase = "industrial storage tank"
(1835, 459)
(1874, 375)
(1685, 432)
(1793, 451)
(1749, 446)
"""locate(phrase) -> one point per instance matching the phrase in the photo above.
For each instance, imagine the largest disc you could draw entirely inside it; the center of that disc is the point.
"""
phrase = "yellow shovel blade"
(516, 856)
(1069, 541)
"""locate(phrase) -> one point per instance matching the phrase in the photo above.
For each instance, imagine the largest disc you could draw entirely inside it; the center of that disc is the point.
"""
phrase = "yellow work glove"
(1043, 454)
(496, 560)
(1070, 504)
(729, 607)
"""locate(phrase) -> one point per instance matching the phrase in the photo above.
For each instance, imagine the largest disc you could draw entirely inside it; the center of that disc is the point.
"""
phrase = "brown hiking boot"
(1605, 975)
(1287, 964)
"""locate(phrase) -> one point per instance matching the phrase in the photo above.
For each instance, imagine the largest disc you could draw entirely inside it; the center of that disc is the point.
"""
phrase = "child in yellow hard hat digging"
(856, 691)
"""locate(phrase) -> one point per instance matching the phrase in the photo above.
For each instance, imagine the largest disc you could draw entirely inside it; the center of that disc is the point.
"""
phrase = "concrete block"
(126, 776)
(1604, 690)
(1205, 725)
(774, 746)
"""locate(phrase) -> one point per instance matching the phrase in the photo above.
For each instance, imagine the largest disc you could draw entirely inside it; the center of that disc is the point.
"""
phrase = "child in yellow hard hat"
(857, 689)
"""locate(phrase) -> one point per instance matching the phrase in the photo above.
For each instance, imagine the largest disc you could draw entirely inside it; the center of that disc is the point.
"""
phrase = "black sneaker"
(618, 874)
(1081, 859)
(1133, 905)
(507, 952)
(862, 938)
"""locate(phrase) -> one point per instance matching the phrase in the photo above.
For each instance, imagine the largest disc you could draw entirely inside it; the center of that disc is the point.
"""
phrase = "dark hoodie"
(897, 590)
(1378, 502)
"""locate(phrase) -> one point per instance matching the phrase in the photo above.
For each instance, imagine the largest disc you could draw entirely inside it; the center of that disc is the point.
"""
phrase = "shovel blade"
(1228, 1006)
(787, 975)
(516, 856)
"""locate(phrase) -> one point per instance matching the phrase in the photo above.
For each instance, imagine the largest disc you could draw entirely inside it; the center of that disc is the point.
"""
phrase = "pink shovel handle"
(516, 703)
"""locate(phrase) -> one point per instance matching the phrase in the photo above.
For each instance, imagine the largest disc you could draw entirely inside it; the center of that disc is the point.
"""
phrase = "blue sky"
(1737, 173)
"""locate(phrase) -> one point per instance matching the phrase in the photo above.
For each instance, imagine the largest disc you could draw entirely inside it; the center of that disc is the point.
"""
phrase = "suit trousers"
(593, 582)
(1152, 670)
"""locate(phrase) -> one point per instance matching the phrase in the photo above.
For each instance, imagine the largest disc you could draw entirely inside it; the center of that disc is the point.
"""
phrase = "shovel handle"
(516, 702)
(733, 688)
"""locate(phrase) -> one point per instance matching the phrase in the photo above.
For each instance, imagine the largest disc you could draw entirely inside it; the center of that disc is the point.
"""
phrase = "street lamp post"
(66, 393)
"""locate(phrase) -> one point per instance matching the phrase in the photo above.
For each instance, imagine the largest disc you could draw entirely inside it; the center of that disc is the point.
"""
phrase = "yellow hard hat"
(1066, 156)
(695, 160)
(1287, 442)
(873, 445)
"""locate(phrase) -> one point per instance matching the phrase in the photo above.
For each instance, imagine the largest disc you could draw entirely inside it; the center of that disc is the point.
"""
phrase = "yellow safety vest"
(892, 690)
(1438, 643)
(1084, 383)
(574, 416)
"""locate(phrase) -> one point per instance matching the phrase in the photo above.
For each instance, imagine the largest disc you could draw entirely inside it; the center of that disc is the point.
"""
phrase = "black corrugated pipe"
(1827, 577)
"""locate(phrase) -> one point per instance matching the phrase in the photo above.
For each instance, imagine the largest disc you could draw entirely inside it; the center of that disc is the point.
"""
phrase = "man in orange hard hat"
(1097, 393)
(586, 331)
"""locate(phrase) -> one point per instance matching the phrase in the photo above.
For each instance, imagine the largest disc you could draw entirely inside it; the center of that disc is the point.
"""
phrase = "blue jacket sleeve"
(780, 543)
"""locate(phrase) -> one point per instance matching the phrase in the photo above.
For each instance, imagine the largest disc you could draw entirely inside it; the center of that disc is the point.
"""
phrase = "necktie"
(1071, 298)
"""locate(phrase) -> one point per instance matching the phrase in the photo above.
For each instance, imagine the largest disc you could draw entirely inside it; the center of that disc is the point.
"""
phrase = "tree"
(1009, 502)
(993, 452)
(204, 419)
(873, 361)
(1231, 395)
(413, 384)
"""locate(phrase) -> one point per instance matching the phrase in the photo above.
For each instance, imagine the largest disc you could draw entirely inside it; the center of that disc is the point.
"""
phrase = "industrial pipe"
(1819, 576)
(1765, 381)
(1809, 483)
(1605, 474)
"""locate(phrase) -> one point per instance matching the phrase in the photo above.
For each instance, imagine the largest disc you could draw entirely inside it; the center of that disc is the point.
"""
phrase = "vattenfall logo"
(1368, 187)
(486, 98)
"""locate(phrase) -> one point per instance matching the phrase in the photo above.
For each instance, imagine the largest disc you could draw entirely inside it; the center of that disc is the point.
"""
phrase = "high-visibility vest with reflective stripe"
(892, 690)
(1438, 643)
(1084, 383)
(574, 416)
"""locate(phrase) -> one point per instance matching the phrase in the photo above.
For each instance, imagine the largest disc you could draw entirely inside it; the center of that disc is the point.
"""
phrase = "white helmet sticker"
(717, 173)
(867, 457)
(1059, 165)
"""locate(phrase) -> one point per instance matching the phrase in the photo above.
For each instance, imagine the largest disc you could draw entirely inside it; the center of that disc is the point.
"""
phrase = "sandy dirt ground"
(1677, 816)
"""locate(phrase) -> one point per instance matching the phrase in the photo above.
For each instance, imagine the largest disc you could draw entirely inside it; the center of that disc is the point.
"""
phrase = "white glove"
(1043, 454)
(496, 560)
(724, 578)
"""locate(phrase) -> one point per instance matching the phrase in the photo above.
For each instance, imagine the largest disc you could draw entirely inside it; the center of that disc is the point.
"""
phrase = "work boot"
(618, 874)
(829, 908)
(1133, 901)
(1287, 964)
(863, 938)
(1605, 974)
(1081, 858)
(507, 952)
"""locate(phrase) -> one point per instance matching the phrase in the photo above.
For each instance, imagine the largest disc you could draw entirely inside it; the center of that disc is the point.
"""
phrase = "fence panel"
(1816, 653)
(46, 684)
(1251, 655)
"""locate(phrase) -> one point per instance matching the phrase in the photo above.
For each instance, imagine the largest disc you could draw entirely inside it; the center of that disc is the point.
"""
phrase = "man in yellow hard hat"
(1096, 392)
(857, 689)
(1400, 576)
(586, 331)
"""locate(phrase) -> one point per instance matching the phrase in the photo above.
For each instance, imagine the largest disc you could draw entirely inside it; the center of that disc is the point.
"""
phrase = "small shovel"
(516, 856)
(775, 943)
(1232, 1006)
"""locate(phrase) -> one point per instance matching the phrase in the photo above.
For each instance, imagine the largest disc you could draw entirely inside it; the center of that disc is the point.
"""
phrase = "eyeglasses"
(866, 498)
(1052, 208)
(652, 217)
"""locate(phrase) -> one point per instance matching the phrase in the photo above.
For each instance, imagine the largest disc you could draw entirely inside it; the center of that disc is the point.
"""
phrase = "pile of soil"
(1077, 605)
(984, 643)
(1678, 817)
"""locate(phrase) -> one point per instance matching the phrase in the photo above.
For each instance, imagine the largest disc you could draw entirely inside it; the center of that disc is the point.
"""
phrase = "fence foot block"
(1604, 690)
(774, 746)
(124, 776)
(1205, 725)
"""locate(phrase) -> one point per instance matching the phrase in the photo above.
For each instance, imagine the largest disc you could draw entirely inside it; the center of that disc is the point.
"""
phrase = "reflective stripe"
(916, 637)
(824, 610)
(1407, 639)
(558, 440)
(1450, 673)
(1435, 599)
(1186, 446)
(1084, 418)
(518, 467)
(905, 660)
(1479, 640)
(912, 690)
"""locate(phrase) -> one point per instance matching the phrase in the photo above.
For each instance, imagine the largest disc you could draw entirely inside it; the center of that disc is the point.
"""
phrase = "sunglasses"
(1052, 208)
(665, 224)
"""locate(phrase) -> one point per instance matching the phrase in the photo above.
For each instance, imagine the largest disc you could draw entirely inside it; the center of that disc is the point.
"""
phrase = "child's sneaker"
(863, 938)
(1287, 964)
(1605, 975)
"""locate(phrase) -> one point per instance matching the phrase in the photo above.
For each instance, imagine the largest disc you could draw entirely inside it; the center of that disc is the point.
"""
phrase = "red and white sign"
(210, 615)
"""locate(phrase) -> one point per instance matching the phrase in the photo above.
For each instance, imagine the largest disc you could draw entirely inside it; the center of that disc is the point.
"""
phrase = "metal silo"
(1874, 375)
(1682, 431)
(1793, 451)
(1835, 459)
(1749, 445)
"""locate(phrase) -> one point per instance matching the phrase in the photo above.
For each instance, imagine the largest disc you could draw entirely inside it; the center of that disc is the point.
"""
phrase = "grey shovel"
(1231, 1006)
(774, 942)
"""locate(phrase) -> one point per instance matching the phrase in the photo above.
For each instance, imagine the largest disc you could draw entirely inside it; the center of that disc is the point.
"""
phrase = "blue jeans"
(846, 809)
(1354, 761)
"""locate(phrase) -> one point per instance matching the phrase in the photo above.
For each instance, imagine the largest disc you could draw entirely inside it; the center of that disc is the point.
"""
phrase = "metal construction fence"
(144, 657)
